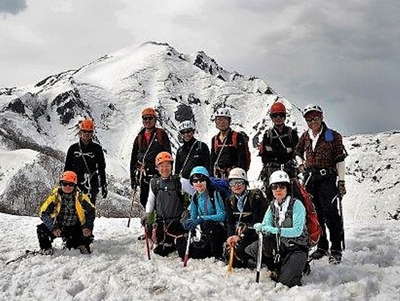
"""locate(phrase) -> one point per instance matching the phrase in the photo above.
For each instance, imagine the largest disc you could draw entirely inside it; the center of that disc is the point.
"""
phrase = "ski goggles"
(63, 183)
(275, 186)
(198, 180)
(276, 115)
(236, 182)
(87, 132)
(147, 118)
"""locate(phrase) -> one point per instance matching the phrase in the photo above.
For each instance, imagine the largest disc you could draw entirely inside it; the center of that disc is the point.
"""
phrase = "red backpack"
(313, 227)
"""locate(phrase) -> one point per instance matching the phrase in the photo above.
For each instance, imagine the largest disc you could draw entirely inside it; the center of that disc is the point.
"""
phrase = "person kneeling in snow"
(285, 243)
(66, 213)
(166, 199)
(207, 214)
(244, 208)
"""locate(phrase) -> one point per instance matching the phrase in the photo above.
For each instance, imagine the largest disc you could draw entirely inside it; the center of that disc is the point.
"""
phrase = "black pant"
(324, 190)
(73, 237)
(241, 257)
(211, 243)
(291, 263)
(167, 235)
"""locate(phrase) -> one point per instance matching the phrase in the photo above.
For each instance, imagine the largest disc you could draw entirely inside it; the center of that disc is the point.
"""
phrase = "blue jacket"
(202, 206)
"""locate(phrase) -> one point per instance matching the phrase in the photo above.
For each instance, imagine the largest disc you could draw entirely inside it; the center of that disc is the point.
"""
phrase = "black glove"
(104, 191)
(341, 187)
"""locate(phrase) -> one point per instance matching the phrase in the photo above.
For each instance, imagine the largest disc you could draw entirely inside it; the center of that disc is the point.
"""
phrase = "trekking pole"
(230, 262)
(186, 258)
(147, 243)
(259, 256)
(133, 199)
(341, 220)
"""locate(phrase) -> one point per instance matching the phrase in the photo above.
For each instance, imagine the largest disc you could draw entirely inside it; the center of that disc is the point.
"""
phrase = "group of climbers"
(214, 224)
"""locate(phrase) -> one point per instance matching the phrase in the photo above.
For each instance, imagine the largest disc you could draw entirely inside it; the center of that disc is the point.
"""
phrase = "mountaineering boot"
(49, 251)
(335, 257)
(84, 249)
(318, 254)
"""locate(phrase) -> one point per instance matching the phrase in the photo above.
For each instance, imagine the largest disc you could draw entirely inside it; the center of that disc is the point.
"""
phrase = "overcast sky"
(343, 55)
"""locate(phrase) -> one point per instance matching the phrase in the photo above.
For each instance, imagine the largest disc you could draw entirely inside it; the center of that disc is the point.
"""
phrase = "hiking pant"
(290, 264)
(72, 236)
(210, 244)
(324, 190)
(166, 235)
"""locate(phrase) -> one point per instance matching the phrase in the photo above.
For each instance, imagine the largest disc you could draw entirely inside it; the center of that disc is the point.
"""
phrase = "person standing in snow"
(278, 144)
(165, 202)
(86, 159)
(190, 154)
(320, 154)
(207, 215)
(243, 209)
(147, 145)
(229, 149)
(67, 213)
(284, 227)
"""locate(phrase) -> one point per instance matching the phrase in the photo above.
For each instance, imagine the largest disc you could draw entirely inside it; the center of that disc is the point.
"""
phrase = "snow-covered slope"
(119, 270)
(113, 90)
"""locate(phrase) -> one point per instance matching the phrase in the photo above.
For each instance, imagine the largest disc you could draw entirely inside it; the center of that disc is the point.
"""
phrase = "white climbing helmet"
(186, 125)
(279, 176)
(222, 112)
(310, 108)
(238, 173)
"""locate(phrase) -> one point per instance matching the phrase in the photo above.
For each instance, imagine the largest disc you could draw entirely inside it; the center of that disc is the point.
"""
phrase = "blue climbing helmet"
(200, 170)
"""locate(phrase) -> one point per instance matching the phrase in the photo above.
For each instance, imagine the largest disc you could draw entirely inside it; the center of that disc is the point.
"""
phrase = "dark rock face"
(209, 65)
(68, 105)
(184, 112)
(16, 106)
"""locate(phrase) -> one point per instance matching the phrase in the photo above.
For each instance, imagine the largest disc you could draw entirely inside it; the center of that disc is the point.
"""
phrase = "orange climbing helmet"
(86, 125)
(163, 157)
(149, 112)
(69, 176)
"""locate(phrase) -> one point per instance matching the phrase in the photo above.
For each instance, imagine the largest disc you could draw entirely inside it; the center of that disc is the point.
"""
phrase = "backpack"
(313, 227)
(247, 154)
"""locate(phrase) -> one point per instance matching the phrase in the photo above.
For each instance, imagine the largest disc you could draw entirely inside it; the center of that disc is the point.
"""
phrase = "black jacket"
(96, 165)
(199, 156)
(160, 144)
(231, 155)
(272, 150)
(253, 212)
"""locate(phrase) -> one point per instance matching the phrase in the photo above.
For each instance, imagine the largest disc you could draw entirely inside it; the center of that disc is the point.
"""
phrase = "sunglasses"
(67, 184)
(278, 185)
(147, 118)
(316, 118)
(276, 115)
(198, 180)
(236, 182)
(87, 132)
(186, 132)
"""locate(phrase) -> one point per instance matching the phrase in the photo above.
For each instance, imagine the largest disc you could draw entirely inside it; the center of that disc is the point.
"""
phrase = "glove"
(189, 225)
(104, 191)
(258, 227)
(342, 188)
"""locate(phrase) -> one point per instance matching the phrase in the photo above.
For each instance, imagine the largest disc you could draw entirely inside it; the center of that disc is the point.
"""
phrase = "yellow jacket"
(51, 207)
